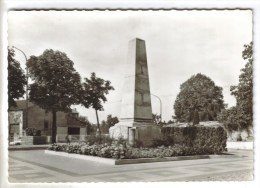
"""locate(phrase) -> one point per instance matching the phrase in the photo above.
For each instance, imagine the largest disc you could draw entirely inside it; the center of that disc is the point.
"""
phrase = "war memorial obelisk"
(135, 122)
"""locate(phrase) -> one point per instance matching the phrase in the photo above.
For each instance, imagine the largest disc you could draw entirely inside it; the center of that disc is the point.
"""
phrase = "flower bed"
(175, 141)
(121, 151)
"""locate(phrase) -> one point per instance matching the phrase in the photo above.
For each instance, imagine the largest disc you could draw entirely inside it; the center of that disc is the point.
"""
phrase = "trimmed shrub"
(196, 118)
(38, 133)
(199, 136)
(32, 132)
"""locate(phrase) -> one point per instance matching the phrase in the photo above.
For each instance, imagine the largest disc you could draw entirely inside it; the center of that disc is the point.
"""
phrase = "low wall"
(240, 145)
(27, 140)
(34, 140)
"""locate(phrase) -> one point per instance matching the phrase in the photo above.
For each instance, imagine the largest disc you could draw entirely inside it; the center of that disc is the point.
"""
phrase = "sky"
(179, 44)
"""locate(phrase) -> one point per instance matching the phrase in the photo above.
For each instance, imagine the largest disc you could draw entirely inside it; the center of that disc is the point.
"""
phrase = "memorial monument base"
(143, 133)
(136, 122)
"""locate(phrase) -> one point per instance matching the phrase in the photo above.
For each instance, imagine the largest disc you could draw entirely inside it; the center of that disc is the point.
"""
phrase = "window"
(73, 130)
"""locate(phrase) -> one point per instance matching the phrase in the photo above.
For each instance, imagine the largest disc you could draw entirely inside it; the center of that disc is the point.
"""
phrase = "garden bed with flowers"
(113, 161)
(175, 142)
(123, 154)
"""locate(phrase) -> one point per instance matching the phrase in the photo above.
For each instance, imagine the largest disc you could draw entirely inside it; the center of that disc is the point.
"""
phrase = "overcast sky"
(179, 44)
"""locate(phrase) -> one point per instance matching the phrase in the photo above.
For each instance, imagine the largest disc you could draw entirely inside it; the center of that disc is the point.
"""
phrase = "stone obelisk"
(135, 122)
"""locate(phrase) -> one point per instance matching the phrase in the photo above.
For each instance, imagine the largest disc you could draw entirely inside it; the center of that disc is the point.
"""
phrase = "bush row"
(194, 136)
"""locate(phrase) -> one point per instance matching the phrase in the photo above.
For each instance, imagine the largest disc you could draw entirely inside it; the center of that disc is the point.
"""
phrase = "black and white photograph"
(130, 96)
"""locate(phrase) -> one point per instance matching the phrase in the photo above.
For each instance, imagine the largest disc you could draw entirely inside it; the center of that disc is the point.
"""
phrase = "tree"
(198, 96)
(16, 79)
(87, 124)
(230, 119)
(91, 129)
(94, 93)
(243, 92)
(56, 84)
(110, 121)
(157, 119)
(240, 117)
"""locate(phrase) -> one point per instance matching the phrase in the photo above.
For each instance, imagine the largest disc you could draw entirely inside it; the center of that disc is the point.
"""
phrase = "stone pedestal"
(144, 133)
(136, 108)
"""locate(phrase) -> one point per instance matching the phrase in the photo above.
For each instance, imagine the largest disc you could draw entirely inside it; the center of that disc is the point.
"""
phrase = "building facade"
(40, 119)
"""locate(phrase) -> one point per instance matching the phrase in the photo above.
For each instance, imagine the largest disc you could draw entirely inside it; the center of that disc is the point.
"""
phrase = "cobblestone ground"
(235, 176)
(246, 175)
(36, 166)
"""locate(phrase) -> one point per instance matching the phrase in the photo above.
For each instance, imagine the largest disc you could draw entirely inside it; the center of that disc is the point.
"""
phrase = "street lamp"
(26, 117)
(160, 103)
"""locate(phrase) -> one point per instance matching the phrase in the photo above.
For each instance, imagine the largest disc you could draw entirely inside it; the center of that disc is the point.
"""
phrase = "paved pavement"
(35, 166)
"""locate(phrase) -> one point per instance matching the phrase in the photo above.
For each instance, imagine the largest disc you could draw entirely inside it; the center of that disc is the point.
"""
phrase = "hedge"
(209, 138)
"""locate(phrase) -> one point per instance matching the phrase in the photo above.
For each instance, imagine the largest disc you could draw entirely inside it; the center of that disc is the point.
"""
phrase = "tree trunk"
(99, 131)
(54, 127)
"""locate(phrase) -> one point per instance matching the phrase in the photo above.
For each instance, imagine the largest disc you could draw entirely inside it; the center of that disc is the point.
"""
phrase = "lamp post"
(26, 92)
(160, 103)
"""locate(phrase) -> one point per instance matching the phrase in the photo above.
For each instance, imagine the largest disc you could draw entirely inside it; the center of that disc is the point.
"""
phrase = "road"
(36, 166)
